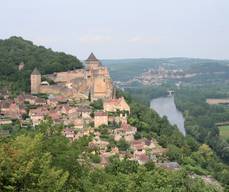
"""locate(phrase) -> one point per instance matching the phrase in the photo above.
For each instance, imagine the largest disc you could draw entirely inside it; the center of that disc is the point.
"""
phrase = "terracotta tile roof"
(143, 158)
(100, 113)
(113, 101)
(68, 130)
(83, 109)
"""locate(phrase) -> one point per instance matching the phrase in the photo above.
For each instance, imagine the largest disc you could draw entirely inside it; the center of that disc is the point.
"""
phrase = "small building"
(21, 66)
(78, 123)
(170, 165)
(126, 132)
(69, 133)
(84, 112)
(141, 158)
(100, 118)
(5, 121)
(113, 105)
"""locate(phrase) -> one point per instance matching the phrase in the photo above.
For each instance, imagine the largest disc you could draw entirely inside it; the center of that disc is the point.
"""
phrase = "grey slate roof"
(92, 58)
(36, 72)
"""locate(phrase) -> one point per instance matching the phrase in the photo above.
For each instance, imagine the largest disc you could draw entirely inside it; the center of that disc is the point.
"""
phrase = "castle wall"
(94, 79)
(68, 75)
(50, 90)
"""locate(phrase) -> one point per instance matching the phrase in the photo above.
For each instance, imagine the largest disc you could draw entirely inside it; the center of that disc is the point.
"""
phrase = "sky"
(114, 29)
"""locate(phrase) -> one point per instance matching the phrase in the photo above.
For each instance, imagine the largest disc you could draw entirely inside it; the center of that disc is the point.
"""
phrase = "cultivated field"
(224, 131)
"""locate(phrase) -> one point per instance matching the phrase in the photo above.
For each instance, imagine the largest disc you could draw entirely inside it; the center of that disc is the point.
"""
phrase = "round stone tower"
(35, 79)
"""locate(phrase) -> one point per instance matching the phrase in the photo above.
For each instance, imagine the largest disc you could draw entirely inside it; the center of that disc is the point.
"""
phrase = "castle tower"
(35, 79)
(92, 62)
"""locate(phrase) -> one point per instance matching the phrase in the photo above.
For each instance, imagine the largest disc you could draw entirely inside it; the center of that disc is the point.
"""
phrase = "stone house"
(38, 114)
(97, 143)
(40, 101)
(113, 105)
(138, 145)
(100, 118)
(141, 158)
(4, 121)
(84, 112)
(78, 123)
(30, 99)
(52, 102)
(126, 132)
(37, 118)
(69, 133)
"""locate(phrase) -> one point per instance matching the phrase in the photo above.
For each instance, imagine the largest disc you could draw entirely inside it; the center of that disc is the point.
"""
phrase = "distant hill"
(125, 69)
(16, 50)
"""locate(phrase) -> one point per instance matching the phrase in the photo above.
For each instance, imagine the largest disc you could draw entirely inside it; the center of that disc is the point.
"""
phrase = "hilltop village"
(84, 102)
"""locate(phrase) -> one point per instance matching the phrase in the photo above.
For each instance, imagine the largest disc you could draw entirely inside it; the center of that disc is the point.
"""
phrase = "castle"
(92, 83)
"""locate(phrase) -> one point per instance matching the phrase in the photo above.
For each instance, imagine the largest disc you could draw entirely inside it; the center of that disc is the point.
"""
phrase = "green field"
(224, 131)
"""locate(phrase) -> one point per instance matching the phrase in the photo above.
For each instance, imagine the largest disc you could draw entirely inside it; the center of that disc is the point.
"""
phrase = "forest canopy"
(15, 51)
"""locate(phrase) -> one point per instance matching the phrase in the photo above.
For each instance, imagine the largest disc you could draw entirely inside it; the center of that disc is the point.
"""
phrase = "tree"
(97, 105)
(122, 145)
(24, 167)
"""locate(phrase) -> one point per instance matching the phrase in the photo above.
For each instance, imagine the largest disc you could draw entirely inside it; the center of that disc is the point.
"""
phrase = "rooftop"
(92, 58)
(100, 113)
(36, 72)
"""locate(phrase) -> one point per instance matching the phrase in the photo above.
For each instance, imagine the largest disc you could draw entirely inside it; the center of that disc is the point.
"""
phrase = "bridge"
(171, 92)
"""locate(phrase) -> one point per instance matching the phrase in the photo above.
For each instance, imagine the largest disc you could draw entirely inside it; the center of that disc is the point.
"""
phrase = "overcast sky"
(121, 28)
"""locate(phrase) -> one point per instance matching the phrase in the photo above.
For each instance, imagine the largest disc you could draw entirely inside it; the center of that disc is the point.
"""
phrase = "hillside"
(16, 50)
(126, 69)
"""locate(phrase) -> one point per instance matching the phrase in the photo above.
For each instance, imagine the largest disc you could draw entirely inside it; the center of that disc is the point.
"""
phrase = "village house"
(52, 102)
(69, 133)
(114, 105)
(20, 99)
(55, 115)
(98, 144)
(38, 114)
(84, 112)
(141, 158)
(5, 106)
(117, 119)
(5, 121)
(11, 109)
(138, 145)
(100, 118)
(125, 132)
(40, 101)
(104, 158)
(170, 165)
(30, 99)
(78, 123)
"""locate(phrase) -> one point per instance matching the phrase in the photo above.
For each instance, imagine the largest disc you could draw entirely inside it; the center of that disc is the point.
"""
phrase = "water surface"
(165, 106)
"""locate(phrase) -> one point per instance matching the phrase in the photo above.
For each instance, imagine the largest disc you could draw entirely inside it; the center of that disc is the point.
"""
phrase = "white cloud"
(95, 39)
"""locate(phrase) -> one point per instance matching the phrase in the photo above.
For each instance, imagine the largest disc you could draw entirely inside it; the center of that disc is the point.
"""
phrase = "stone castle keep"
(94, 81)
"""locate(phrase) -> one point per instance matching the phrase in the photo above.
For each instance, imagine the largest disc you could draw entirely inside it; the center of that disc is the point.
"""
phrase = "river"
(165, 106)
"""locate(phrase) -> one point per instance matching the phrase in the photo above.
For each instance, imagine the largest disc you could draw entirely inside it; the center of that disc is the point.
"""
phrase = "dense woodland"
(15, 50)
(201, 118)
